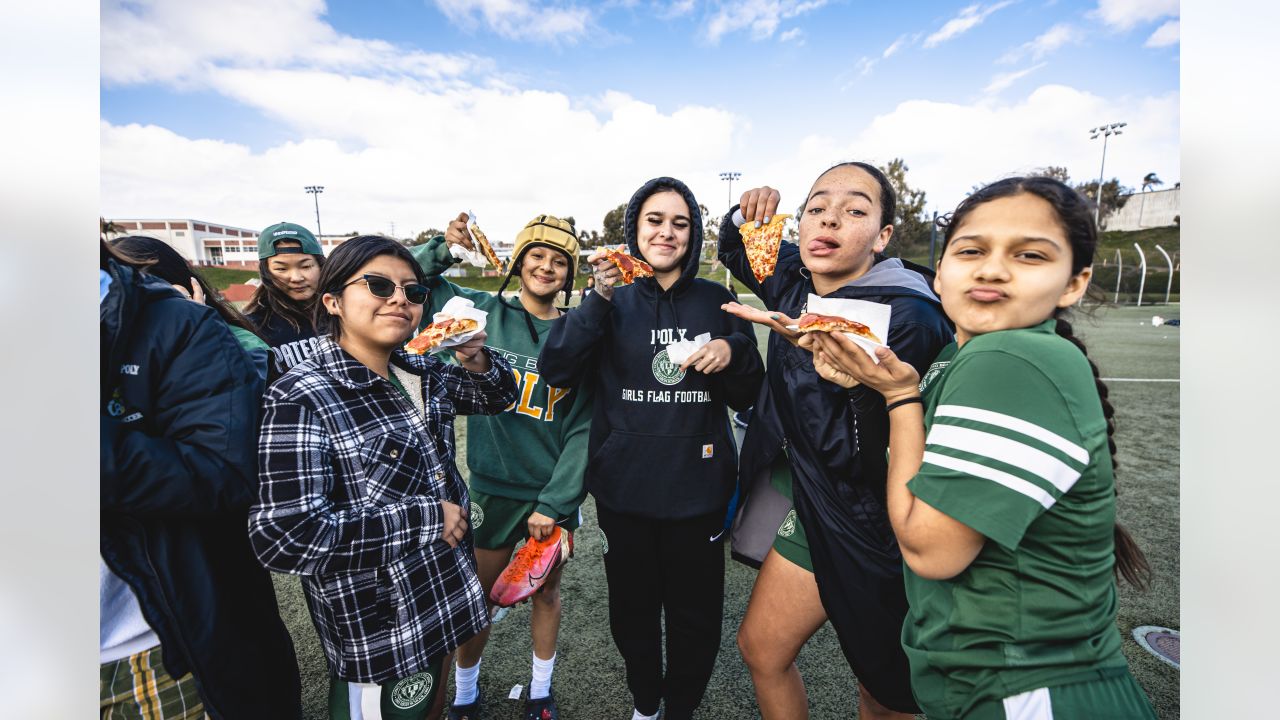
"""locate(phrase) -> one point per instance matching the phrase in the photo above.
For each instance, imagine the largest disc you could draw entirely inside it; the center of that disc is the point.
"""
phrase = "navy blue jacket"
(660, 444)
(836, 442)
(179, 410)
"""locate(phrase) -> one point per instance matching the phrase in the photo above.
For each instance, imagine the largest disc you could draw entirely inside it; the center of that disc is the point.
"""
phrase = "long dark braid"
(1131, 563)
(1077, 220)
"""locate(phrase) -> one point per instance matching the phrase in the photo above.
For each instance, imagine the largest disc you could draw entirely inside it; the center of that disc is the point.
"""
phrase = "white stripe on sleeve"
(1013, 482)
(1009, 452)
(1010, 422)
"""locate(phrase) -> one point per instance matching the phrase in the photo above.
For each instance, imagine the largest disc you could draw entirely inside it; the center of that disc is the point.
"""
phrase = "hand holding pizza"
(843, 362)
(605, 272)
(775, 321)
(540, 526)
(759, 205)
(457, 233)
(470, 354)
(710, 358)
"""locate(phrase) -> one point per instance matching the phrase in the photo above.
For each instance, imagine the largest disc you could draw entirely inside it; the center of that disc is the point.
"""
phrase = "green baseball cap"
(287, 231)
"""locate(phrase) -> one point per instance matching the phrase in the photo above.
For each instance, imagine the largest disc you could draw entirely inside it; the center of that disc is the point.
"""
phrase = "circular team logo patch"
(604, 543)
(477, 515)
(665, 371)
(788, 526)
(932, 374)
(411, 690)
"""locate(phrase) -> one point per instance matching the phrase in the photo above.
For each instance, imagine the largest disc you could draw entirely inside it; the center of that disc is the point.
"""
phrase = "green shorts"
(500, 522)
(1113, 696)
(790, 541)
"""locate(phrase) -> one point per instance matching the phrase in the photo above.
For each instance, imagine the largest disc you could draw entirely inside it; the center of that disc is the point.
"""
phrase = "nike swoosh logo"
(716, 537)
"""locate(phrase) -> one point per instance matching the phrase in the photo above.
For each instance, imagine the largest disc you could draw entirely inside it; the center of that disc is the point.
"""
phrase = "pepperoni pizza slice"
(437, 332)
(486, 248)
(630, 267)
(812, 322)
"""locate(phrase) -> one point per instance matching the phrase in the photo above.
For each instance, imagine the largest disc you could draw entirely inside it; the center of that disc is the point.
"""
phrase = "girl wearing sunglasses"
(527, 463)
(359, 493)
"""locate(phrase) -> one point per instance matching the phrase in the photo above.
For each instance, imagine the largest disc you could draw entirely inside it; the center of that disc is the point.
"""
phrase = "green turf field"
(589, 682)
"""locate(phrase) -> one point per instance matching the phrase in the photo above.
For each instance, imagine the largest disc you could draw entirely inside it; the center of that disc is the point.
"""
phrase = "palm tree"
(108, 227)
(1149, 181)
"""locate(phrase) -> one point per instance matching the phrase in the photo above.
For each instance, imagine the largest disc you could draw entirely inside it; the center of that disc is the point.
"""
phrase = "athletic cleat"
(542, 708)
(531, 566)
(470, 711)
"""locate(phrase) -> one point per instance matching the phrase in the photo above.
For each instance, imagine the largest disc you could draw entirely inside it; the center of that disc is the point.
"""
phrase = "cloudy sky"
(409, 111)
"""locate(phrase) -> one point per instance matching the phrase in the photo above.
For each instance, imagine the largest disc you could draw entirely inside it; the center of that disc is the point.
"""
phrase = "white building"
(205, 243)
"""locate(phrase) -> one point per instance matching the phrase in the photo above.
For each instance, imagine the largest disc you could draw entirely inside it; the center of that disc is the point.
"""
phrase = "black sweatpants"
(673, 568)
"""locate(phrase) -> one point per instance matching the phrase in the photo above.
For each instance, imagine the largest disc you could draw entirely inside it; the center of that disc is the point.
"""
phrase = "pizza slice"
(437, 332)
(812, 322)
(631, 267)
(486, 248)
(762, 245)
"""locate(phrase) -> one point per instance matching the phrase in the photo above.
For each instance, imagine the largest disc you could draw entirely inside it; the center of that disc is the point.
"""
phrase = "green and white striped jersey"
(1016, 448)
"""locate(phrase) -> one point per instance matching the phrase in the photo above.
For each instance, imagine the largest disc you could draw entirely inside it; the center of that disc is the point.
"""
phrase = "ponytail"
(1131, 563)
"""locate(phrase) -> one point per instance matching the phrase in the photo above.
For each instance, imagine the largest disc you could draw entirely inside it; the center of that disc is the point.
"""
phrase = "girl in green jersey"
(1000, 486)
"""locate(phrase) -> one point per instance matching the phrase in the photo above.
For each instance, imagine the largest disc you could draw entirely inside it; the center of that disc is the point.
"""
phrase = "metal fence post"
(1169, 287)
(1119, 272)
(1142, 278)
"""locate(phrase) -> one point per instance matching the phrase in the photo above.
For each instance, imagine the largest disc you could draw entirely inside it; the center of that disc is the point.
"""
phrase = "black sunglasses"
(383, 288)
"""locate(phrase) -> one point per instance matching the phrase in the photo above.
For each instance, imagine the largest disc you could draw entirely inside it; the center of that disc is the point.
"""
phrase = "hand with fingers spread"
(540, 526)
(841, 360)
(455, 523)
(710, 358)
(605, 272)
(470, 355)
(775, 321)
(759, 205)
(458, 234)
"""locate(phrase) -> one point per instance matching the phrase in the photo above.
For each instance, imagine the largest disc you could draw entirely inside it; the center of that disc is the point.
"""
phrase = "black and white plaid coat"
(351, 476)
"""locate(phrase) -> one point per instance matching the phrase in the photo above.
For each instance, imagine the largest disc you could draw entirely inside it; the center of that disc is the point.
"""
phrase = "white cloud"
(1166, 34)
(969, 18)
(1045, 43)
(894, 47)
(795, 34)
(179, 43)
(1003, 80)
(677, 8)
(1124, 14)
(951, 147)
(761, 17)
(521, 19)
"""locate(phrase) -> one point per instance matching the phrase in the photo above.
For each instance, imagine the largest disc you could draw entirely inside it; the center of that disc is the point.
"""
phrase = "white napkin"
(873, 315)
(678, 352)
(460, 307)
(475, 257)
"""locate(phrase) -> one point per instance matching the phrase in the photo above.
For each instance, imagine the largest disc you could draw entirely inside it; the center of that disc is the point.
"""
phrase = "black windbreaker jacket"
(660, 444)
(837, 441)
(179, 409)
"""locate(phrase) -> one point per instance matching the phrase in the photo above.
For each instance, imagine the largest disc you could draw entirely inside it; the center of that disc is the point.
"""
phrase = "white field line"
(1162, 380)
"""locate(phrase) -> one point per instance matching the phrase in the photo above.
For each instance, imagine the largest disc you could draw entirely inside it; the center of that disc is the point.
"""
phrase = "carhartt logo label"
(708, 451)
(665, 371)
(128, 369)
(411, 690)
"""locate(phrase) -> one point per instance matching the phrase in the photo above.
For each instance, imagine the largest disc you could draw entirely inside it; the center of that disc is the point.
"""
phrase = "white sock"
(465, 684)
(636, 715)
(540, 686)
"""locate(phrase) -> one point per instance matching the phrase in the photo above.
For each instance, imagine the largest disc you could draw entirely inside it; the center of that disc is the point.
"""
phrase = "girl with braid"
(1000, 488)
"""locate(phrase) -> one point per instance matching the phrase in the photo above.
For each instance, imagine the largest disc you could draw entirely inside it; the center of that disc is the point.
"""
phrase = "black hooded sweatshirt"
(660, 446)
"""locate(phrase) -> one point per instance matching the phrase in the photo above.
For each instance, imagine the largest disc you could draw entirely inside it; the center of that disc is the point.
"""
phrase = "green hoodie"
(537, 449)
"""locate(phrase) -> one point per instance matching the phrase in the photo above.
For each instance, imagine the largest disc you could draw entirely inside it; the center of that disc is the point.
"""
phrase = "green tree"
(613, 225)
(1057, 172)
(423, 236)
(910, 225)
(1114, 195)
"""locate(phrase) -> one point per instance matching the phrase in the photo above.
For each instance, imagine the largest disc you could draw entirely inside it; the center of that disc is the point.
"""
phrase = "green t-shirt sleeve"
(565, 491)
(434, 258)
(1002, 446)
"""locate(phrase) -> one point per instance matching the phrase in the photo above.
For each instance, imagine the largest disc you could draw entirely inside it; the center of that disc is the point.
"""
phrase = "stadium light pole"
(730, 176)
(314, 191)
(1105, 132)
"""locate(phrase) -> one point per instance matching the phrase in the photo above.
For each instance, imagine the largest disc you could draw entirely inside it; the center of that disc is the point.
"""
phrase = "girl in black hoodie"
(662, 462)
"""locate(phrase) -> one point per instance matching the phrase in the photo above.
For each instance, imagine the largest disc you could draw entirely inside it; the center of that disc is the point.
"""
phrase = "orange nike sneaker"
(531, 566)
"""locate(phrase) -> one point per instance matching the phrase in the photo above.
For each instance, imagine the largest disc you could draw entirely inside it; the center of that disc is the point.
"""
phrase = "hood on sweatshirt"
(891, 273)
(630, 222)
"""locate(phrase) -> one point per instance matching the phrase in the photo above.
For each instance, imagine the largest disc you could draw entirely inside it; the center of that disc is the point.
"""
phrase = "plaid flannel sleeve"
(295, 526)
(487, 393)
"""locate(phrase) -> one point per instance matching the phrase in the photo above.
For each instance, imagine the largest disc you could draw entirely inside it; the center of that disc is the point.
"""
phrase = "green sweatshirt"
(537, 449)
